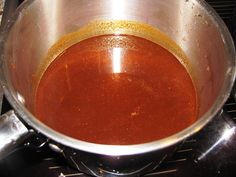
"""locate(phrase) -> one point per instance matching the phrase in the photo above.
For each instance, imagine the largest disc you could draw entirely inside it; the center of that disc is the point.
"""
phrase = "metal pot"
(38, 24)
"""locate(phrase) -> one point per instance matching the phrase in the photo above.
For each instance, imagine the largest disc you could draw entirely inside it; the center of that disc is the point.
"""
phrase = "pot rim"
(121, 150)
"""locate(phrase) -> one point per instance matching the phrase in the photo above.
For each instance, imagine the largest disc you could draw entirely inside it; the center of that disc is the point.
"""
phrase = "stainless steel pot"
(38, 24)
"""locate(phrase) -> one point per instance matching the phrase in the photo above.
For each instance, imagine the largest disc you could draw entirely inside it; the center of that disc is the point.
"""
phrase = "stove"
(210, 153)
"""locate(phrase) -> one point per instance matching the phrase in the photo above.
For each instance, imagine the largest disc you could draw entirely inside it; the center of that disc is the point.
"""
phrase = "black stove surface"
(200, 156)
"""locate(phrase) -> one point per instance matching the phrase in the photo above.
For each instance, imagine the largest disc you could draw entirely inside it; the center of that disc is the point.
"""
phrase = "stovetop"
(203, 155)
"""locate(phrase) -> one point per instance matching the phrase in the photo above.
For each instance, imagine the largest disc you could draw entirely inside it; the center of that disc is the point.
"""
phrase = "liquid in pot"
(116, 89)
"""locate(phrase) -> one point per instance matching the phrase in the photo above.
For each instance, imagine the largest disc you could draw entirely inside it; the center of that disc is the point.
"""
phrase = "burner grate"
(225, 8)
(47, 163)
(230, 108)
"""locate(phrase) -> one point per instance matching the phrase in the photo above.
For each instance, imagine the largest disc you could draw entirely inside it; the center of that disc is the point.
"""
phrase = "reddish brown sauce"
(116, 90)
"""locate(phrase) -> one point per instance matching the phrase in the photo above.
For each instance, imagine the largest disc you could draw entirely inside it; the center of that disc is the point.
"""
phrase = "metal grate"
(168, 167)
(25, 162)
(230, 108)
(225, 8)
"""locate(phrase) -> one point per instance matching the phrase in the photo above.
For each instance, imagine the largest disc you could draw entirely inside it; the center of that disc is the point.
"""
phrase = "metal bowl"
(192, 24)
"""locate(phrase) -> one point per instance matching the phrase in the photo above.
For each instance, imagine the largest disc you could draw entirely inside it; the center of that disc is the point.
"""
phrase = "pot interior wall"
(44, 22)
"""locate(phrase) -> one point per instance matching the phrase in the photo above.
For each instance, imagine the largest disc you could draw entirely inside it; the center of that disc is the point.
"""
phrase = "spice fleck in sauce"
(116, 89)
